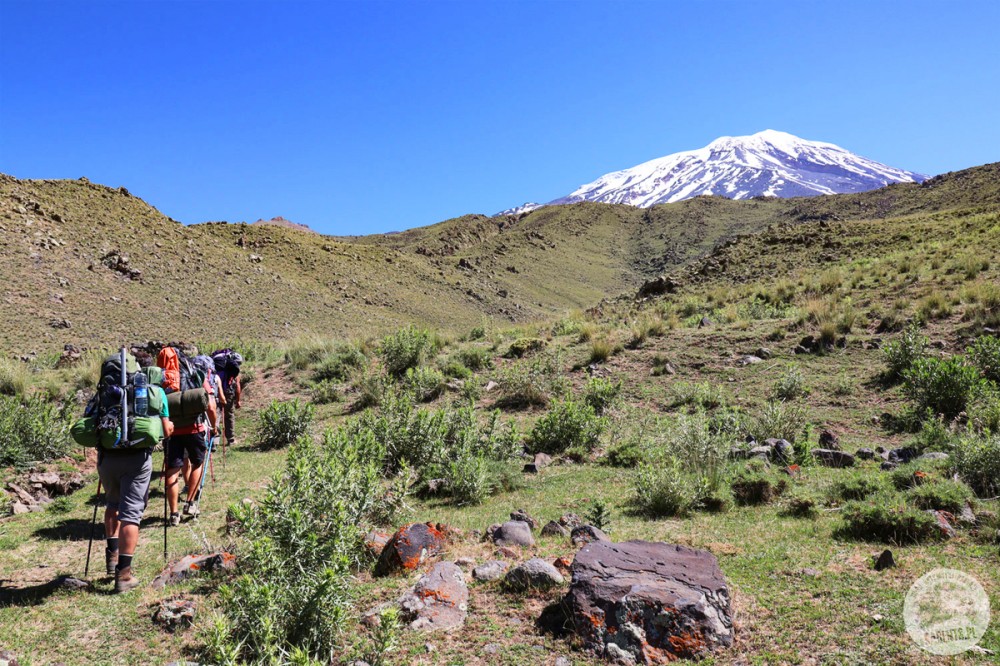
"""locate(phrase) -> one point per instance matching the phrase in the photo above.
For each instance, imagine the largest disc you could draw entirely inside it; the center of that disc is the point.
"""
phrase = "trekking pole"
(208, 461)
(166, 506)
(93, 528)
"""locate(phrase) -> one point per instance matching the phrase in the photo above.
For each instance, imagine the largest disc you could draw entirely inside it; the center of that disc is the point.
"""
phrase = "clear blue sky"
(358, 117)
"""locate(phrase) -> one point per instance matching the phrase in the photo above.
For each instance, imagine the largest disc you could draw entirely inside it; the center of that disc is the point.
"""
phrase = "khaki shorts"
(125, 476)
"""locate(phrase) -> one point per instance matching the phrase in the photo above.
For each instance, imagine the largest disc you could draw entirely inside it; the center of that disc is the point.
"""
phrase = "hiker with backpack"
(195, 419)
(125, 419)
(227, 367)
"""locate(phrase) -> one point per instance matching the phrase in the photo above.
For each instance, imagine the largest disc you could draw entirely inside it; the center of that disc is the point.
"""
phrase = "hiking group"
(140, 403)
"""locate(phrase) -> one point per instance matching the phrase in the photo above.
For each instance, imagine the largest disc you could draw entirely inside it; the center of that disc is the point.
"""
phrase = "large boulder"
(514, 533)
(410, 547)
(439, 600)
(649, 602)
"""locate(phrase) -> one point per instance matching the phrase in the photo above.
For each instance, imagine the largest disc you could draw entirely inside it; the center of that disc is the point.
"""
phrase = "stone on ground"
(439, 600)
(410, 547)
(514, 533)
(193, 565)
(831, 458)
(584, 534)
(524, 517)
(173, 614)
(649, 603)
(535, 574)
(552, 528)
(491, 570)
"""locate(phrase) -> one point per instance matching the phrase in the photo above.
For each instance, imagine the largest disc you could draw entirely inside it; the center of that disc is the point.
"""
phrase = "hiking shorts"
(194, 445)
(125, 476)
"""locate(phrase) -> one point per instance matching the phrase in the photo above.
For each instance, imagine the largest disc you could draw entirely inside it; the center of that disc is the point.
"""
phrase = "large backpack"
(112, 420)
(206, 365)
(179, 372)
(227, 365)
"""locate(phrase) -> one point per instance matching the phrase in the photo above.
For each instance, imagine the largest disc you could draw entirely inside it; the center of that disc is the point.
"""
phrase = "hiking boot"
(124, 580)
(175, 519)
(191, 509)
(110, 561)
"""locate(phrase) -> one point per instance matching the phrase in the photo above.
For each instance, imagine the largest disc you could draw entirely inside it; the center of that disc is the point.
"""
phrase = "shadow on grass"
(72, 529)
(33, 595)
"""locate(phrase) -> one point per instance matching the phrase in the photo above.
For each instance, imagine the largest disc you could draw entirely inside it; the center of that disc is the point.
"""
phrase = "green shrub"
(425, 383)
(530, 384)
(859, 487)
(844, 385)
(567, 424)
(888, 519)
(984, 413)
(32, 430)
(304, 353)
(977, 460)
(661, 366)
(454, 369)
(598, 515)
(477, 333)
(280, 424)
(406, 348)
(697, 395)
(627, 453)
(341, 364)
(475, 358)
(567, 326)
(600, 350)
(799, 504)
(780, 420)
(326, 392)
(663, 488)
(524, 346)
(755, 484)
(943, 495)
(601, 394)
(13, 377)
(942, 386)
(984, 354)
(934, 435)
(900, 354)
(791, 385)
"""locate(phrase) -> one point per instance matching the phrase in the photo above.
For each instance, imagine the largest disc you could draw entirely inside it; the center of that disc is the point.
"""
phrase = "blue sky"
(359, 117)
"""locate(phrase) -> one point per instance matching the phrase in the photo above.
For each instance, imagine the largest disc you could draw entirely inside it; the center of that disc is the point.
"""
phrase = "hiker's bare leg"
(128, 539)
(194, 481)
(173, 489)
(110, 523)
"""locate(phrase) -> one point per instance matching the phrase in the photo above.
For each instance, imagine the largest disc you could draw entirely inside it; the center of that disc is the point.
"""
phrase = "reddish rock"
(647, 602)
(375, 542)
(410, 547)
(193, 565)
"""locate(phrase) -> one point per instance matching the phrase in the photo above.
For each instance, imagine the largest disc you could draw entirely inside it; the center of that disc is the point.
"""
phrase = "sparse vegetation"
(282, 423)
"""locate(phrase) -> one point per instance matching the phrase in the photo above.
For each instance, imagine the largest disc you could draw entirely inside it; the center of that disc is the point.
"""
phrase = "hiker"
(227, 369)
(125, 466)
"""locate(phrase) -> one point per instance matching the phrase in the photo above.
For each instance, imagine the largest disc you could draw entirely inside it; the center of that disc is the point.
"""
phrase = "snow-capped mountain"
(768, 163)
(526, 207)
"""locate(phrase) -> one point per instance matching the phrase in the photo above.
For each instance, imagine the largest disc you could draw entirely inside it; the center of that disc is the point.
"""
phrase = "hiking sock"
(112, 544)
(124, 561)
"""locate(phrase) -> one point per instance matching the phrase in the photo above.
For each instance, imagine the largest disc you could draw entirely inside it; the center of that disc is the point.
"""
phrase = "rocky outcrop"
(649, 603)
(439, 600)
(410, 547)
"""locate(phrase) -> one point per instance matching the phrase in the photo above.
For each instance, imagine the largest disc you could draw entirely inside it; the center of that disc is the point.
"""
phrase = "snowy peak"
(769, 163)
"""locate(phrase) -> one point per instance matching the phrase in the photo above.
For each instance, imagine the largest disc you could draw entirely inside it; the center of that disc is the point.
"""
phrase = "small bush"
(900, 354)
(341, 364)
(663, 489)
(791, 385)
(661, 366)
(627, 453)
(530, 384)
(888, 519)
(32, 430)
(933, 306)
(567, 424)
(600, 350)
(943, 495)
(425, 383)
(475, 358)
(598, 515)
(280, 424)
(799, 504)
(977, 460)
(524, 346)
(567, 326)
(942, 386)
(406, 348)
(844, 385)
(779, 420)
(602, 394)
(859, 487)
(326, 392)
(371, 387)
(754, 485)
(697, 395)
(984, 354)
(13, 377)
(454, 369)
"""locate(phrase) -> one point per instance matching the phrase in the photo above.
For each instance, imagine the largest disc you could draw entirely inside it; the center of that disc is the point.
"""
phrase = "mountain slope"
(768, 163)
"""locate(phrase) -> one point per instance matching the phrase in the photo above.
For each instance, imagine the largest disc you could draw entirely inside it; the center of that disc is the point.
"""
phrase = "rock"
(740, 453)
(409, 547)
(781, 450)
(60, 323)
(17, 508)
(70, 356)
(649, 602)
(44, 479)
(439, 600)
(552, 528)
(490, 385)
(541, 461)
(832, 458)
(763, 452)
(465, 562)
(827, 440)
(514, 533)
(563, 661)
(764, 353)
(375, 542)
(491, 648)
(884, 561)
(70, 583)
(749, 360)
(705, 322)
(934, 455)
(523, 516)
(903, 455)
(173, 614)
(535, 574)
(887, 466)
(8, 658)
(491, 570)
(584, 534)
(570, 520)
(943, 523)
(193, 565)
(657, 286)
(508, 552)
(864, 454)
(967, 517)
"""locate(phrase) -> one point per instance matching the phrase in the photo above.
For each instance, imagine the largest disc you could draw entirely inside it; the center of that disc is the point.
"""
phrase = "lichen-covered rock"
(491, 570)
(584, 534)
(173, 614)
(410, 547)
(552, 528)
(375, 542)
(193, 565)
(649, 602)
(524, 517)
(439, 600)
(514, 533)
